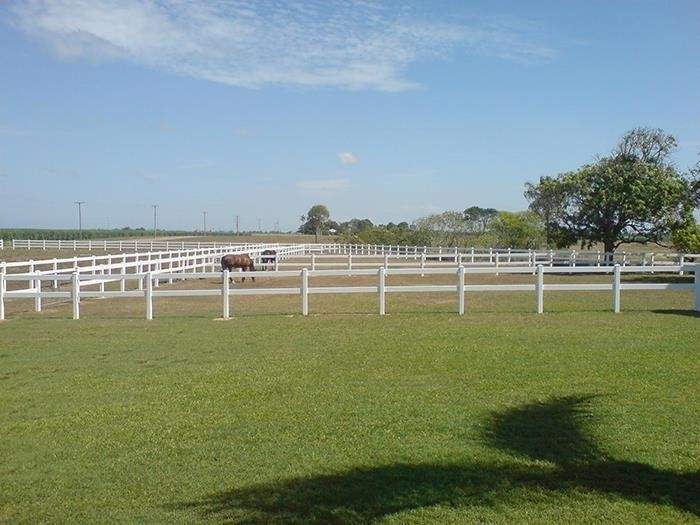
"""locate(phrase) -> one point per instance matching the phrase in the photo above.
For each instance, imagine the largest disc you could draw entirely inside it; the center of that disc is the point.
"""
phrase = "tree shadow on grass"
(687, 313)
(554, 433)
(658, 278)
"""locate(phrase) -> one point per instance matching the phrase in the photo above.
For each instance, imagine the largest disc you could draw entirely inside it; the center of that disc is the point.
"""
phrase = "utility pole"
(155, 220)
(205, 221)
(259, 227)
(237, 230)
(80, 218)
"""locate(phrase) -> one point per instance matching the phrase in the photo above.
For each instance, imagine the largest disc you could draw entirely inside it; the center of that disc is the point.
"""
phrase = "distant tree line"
(633, 194)
(113, 233)
(474, 226)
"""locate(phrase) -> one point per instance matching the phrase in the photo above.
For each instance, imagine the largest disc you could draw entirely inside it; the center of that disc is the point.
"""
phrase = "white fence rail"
(121, 245)
(467, 255)
(460, 288)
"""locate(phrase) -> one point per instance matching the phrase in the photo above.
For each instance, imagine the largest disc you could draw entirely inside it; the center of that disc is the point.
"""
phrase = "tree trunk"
(609, 247)
(316, 234)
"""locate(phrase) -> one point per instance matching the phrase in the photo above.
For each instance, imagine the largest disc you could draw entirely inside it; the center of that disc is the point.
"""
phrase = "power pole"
(80, 218)
(205, 221)
(155, 220)
(237, 230)
(259, 227)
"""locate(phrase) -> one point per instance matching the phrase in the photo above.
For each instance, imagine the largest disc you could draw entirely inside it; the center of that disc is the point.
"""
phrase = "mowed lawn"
(576, 416)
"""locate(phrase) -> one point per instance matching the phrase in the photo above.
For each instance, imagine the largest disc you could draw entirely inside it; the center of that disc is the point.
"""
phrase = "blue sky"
(386, 110)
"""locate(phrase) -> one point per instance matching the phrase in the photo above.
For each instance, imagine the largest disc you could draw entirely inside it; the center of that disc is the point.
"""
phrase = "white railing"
(506, 255)
(225, 291)
(469, 255)
(122, 245)
(320, 256)
(116, 260)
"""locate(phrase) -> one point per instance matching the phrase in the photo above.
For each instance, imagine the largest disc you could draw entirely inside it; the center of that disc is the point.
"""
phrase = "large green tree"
(315, 220)
(633, 194)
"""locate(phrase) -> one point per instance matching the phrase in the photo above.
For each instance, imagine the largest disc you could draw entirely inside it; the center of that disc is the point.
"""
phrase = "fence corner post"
(75, 294)
(460, 289)
(304, 291)
(616, 288)
(540, 289)
(224, 293)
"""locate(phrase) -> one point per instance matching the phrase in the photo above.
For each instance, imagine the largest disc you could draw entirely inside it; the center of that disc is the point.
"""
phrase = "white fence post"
(2, 292)
(616, 288)
(422, 264)
(122, 282)
(540, 289)
(681, 262)
(382, 289)
(304, 291)
(460, 289)
(75, 294)
(313, 261)
(697, 287)
(149, 296)
(224, 292)
(37, 297)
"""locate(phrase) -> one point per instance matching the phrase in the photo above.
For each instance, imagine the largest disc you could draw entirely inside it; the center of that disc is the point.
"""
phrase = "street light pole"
(155, 220)
(80, 218)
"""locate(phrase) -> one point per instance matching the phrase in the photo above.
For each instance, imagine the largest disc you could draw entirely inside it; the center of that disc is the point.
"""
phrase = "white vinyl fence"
(460, 288)
(471, 255)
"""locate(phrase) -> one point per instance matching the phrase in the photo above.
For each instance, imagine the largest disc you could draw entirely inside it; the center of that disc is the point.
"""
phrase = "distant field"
(420, 417)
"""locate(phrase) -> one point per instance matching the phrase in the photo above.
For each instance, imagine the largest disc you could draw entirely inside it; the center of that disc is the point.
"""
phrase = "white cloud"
(323, 184)
(352, 44)
(346, 157)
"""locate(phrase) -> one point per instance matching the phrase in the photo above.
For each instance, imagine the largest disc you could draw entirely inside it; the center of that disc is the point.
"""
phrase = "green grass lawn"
(495, 417)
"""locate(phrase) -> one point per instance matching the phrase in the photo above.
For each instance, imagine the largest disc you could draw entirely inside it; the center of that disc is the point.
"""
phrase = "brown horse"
(243, 261)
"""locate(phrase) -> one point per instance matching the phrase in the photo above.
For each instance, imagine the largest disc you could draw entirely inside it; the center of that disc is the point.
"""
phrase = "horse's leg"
(250, 269)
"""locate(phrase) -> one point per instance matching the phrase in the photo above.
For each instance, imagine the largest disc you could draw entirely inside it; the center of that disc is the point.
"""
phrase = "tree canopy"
(315, 219)
(478, 219)
(633, 194)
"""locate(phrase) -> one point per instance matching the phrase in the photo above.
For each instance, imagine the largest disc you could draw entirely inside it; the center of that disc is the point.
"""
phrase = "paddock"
(301, 270)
